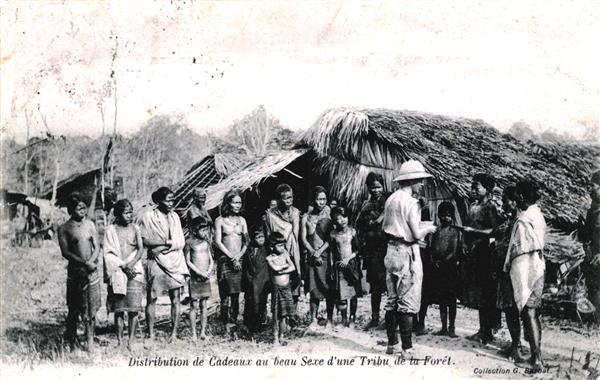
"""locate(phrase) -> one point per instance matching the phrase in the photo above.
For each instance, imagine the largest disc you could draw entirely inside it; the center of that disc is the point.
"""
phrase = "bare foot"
(372, 324)
(515, 356)
(407, 354)
(203, 336)
(475, 337)
(390, 350)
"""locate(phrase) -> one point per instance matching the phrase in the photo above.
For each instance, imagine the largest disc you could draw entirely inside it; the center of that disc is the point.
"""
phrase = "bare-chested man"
(79, 245)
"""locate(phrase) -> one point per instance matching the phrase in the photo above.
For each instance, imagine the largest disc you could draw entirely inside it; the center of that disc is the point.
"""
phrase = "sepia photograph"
(291, 189)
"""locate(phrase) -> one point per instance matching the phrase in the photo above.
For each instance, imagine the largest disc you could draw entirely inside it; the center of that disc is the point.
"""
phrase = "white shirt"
(400, 207)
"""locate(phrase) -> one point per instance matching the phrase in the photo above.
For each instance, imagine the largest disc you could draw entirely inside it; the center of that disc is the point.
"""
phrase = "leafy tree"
(255, 135)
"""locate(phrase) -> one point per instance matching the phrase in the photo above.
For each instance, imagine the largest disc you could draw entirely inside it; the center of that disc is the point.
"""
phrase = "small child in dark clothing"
(255, 281)
(444, 249)
(282, 301)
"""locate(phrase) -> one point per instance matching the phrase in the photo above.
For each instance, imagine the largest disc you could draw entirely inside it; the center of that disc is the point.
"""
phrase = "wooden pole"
(27, 154)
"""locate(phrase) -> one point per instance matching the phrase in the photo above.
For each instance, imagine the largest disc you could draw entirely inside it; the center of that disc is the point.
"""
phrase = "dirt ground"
(33, 313)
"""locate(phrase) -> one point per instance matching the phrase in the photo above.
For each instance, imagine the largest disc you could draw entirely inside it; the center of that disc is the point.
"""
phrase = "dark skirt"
(345, 290)
(130, 302)
(316, 279)
(479, 289)
(282, 300)
(442, 284)
(83, 292)
(376, 270)
(230, 280)
(199, 289)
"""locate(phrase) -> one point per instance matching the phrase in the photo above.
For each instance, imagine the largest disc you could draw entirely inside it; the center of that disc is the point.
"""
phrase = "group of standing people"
(493, 262)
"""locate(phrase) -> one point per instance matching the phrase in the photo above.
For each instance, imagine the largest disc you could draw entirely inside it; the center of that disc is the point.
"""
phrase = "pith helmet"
(412, 169)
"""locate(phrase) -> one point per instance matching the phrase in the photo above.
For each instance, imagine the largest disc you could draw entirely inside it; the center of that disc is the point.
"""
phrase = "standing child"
(444, 248)
(198, 257)
(255, 281)
(79, 245)
(282, 301)
(344, 249)
(123, 248)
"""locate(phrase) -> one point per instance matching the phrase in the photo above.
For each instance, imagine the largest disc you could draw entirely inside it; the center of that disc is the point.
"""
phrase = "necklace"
(235, 220)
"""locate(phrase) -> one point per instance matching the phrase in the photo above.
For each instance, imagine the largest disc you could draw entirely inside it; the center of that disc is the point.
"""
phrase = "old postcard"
(283, 190)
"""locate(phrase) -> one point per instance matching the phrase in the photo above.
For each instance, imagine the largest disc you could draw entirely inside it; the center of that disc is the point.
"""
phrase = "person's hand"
(318, 261)
(237, 266)
(130, 273)
(468, 229)
(431, 229)
(595, 260)
(90, 266)
(202, 276)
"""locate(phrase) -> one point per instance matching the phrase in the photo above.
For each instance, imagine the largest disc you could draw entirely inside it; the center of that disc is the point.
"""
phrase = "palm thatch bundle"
(253, 173)
(561, 246)
(206, 172)
(349, 143)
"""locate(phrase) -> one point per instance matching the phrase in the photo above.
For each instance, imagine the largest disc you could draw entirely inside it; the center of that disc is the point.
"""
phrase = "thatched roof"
(252, 174)
(206, 172)
(351, 142)
(83, 183)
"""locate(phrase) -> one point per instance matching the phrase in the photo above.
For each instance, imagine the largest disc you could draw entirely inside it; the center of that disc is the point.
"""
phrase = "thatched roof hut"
(206, 172)
(86, 184)
(262, 175)
(349, 143)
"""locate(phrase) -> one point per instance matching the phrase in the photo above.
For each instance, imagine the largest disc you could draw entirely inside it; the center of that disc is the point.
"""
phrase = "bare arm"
(414, 219)
(210, 265)
(188, 260)
(322, 249)
(303, 239)
(296, 225)
(219, 238)
(64, 247)
(289, 265)
(486, 232)
(277, 267)
(245, 240)
(140, 247)
(95, 246)
(153, 243)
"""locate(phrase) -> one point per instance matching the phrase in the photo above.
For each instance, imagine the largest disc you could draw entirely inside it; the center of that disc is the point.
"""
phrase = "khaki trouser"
(404, 277)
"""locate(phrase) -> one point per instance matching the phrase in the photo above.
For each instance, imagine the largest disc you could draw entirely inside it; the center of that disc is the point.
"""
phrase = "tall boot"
(406, 322)
(391, 321)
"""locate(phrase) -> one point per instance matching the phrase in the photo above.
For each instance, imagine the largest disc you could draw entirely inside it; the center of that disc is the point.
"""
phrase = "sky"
(211, 63)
